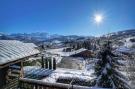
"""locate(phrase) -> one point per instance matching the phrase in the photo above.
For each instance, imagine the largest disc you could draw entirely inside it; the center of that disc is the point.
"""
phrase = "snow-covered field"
(128, 43)
(125, 49)
(60, 52)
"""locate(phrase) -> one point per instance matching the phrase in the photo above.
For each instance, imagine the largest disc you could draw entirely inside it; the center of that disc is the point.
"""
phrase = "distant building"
(84, 54)
(68, 49)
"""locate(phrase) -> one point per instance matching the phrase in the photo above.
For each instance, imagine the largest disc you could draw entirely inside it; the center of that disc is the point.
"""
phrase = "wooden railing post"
(54, 64)
(22, 71)
(50, 63)
(46, 63)
(42, 58)
(46, 85)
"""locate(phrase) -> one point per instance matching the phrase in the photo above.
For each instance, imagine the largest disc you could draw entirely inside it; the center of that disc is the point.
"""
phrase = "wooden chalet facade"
(12, 55)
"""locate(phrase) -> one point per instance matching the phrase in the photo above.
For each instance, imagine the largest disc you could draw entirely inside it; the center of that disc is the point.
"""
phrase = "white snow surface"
(60, 52)
(29, 68)
(128, 43)
(62, 72)
(125, 49)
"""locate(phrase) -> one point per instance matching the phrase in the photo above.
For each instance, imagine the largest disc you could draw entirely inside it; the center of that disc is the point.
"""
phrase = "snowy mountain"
(40, 37)
(117, 37)
(124, 33)
(4, 37)
(121, 38)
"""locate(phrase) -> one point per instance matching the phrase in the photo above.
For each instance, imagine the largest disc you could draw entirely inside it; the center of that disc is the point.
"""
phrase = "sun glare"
(98, 18)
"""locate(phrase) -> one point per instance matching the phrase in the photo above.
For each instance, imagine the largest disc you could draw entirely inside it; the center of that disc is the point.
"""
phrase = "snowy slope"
(60, 52)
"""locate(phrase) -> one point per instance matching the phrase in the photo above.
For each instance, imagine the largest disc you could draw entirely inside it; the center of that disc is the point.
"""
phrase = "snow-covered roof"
(11, 50)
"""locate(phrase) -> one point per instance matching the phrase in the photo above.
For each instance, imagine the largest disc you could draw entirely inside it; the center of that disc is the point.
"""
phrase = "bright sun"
(98, 18)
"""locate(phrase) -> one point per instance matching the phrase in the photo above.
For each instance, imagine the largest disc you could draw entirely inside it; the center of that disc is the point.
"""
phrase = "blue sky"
(66, 17)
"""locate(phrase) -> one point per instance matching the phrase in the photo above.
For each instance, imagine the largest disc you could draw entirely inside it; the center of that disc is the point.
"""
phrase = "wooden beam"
(22, 71)
(51, 85)
(42, 64)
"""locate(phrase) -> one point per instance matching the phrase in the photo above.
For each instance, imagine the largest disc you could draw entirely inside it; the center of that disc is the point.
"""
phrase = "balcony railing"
(25, 83)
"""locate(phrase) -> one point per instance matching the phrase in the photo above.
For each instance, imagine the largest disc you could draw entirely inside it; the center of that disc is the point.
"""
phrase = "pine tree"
(106, 70)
